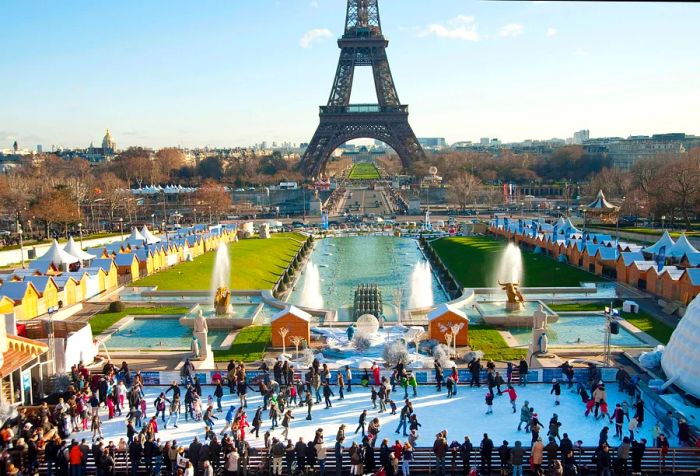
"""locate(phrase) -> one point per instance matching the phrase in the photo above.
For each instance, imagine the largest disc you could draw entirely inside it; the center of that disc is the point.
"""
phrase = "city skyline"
(238, 73)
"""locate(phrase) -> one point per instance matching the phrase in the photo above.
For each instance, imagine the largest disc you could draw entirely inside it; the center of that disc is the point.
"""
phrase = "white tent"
(150, 238)
(600, 203)
(135, 235)
(72, 248)
(59, 257)
(681, 248)
(665, 240)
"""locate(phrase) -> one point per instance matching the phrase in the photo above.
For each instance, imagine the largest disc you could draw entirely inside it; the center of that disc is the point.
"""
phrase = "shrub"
(361, 342)
(396, 352)
(116, 306)
(441, 353)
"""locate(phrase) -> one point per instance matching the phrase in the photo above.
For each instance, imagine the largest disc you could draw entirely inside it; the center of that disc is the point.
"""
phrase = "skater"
(373, 397)
(438, 376)
(327, 393)
(475, 370)
(341, 386)
(361, 422)
(554, 425)
(525, 416)
(512, 396)
(286, 423)
(618, 417)
(348, 377)
(403, 418)
(309, 404)
(413, 383)
(449, 383)
(489, 403)
(257, 422)
(556, 390)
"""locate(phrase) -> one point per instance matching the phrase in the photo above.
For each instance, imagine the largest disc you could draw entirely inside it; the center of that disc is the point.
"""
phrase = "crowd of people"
(95, 397)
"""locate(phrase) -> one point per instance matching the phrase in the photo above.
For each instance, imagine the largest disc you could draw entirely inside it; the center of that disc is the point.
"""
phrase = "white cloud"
(311, 36)
(511, 30)
(462, 27)
(552, 32)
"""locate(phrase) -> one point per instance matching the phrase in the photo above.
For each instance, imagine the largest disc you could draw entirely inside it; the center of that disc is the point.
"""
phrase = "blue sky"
(236, 72)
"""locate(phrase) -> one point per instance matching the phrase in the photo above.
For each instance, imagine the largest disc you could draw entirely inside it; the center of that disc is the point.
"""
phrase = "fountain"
(311, 292)
(220, 281)
(509, 276)
(421, 286)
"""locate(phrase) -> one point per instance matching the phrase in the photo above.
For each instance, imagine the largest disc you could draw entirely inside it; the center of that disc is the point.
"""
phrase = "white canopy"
(681, 248)
(150, 238)
(72, 248)
(59, 257)
(136, 235)
(600, 203)
(665, 240)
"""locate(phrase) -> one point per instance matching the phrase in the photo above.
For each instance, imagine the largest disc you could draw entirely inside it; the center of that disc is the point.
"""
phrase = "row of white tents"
(72, 253)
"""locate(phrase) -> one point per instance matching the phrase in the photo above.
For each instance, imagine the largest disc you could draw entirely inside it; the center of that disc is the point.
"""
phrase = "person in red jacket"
(512, 395)
(75, 458)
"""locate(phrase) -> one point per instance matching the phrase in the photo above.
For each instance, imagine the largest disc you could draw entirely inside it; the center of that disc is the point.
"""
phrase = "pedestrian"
(522, 371)
(341, 386)
(373, 397)
(618, 417)
(486, 453)
(517, 457)
(96, 427)
(465, 451)
(438, 376)
(554, 425)
(403, 418)
(174, 411)
(406, 459)
(440, 451)
(449, 383)
(504, 454)
(309, 405)
(537, 455)
(219, 394)
(348, 377)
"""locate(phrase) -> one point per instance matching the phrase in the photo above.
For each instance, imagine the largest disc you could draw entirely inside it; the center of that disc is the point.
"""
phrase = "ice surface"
(461, 415)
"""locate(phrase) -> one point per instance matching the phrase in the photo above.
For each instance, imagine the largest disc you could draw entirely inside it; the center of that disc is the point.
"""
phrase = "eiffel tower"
(363, 44)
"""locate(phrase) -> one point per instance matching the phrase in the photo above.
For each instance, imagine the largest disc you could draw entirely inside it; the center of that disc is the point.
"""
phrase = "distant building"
(581, 136)
(484, 141)
(39, 149)
(433, 143)
(105, 153)
(625, 153)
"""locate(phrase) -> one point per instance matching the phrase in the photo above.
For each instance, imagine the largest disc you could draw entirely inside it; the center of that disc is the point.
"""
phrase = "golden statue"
(515, 297)
(222, 300)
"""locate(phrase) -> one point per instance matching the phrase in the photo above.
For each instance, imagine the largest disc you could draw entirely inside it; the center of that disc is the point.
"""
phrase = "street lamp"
(121, 228)
(663, 220)
(153, 221)
(194, 211)
(617, 224)
(166, 231)
(80, 230)
(21, 243)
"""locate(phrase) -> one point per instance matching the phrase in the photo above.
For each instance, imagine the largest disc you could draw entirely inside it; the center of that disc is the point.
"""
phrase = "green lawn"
(102, 321)
(474, 261)
(364, 171)
(643, 321)
(255, 264)
(578, 306)
(488, 340)
(248, 346)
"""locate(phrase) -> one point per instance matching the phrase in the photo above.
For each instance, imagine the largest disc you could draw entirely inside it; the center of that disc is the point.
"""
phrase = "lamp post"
(163, 227)
(21, 242)
(153, 221)
(194, 212)
(80, 230)
(663, 222)
(617, 223)
(121, 228)
(51, 340)
(210, 214)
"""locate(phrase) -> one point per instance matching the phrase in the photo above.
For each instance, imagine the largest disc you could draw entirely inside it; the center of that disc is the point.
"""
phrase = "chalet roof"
(16, 290)
(628, 257)
(445, 308)
(293, 310)
(124, 259)
(694, 276)
(104, 263)
(39, 282)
